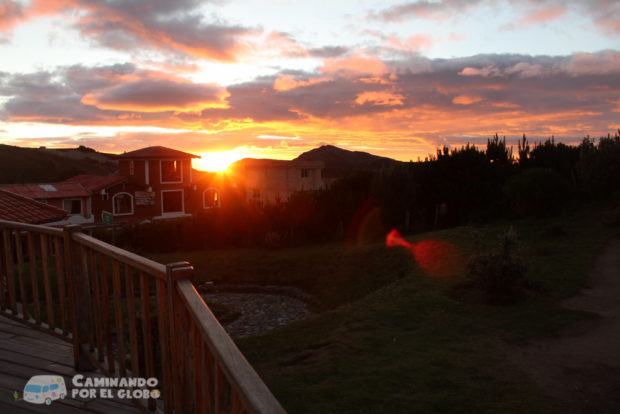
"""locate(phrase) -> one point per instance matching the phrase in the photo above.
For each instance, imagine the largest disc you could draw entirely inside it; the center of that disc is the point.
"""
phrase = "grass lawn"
(388, 337)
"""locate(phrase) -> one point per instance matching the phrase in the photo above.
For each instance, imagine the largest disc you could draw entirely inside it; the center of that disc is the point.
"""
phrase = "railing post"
(179, 335)
(79, 300)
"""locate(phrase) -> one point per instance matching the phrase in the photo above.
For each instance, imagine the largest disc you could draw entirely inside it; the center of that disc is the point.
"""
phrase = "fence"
(127, 315)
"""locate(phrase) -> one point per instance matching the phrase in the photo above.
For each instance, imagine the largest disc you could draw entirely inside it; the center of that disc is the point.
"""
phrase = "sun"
(216, 161)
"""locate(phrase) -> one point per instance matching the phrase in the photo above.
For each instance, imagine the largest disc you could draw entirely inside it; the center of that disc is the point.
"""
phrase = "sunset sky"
(251, 78)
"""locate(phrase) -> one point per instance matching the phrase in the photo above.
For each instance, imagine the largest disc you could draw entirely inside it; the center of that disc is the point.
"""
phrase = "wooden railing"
(127, 316)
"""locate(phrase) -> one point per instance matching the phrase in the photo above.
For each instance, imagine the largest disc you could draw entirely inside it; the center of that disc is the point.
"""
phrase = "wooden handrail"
(51, 231)
(136, 261)
(96, 287)
(256, 397)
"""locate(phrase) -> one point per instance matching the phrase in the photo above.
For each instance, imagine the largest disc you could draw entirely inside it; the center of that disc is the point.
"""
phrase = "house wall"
(58, 202)
(272, 184)
(154, 172)
(149, 204)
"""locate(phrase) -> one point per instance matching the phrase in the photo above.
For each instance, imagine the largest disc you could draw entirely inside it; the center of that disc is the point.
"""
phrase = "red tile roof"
(94, 183)
(157, 152)
(45, 191)
(14, 207)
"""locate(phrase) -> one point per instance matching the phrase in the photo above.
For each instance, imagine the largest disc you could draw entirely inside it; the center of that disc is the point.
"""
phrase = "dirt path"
(581, 369)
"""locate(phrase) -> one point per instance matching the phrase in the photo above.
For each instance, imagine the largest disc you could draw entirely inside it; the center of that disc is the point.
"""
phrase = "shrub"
(498, 275)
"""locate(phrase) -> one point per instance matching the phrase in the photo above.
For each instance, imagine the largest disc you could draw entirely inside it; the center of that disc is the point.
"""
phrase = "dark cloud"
(173, 26)
(423, 9)
(605, 14)
(328, 51)
(158, 94)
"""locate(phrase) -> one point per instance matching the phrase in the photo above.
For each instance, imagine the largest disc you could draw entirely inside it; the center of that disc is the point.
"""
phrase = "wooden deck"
(25, 352)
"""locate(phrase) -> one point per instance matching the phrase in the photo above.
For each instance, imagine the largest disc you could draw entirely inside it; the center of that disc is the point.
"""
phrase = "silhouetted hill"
(40, 165)
(339, 162)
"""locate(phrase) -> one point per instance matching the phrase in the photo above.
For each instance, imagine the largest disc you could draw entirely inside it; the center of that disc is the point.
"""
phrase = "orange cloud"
(466, 99)
(544, 15)
(358, 64)
(285, 83)
(11, 13)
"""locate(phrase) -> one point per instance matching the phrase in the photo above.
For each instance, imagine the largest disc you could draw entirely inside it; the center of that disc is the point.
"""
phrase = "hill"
(40, 165)
(339, 162)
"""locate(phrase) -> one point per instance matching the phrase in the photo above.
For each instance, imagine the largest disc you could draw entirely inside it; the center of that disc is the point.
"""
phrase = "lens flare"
(366, 224)
(436, 257)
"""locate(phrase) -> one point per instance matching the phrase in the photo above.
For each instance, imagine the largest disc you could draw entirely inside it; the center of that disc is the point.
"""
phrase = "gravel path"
(259, 312)
(581, 368)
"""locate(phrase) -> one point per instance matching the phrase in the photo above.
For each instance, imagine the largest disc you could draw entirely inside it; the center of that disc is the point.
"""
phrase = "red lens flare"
(436, 257)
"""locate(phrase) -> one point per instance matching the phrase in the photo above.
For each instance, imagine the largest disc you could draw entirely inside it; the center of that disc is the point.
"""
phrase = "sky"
(274, 78)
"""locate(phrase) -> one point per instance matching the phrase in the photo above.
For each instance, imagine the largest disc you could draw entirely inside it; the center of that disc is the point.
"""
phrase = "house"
(71, 197)
(273, 181)
(105, 194)
(14, 207)
(159, 184)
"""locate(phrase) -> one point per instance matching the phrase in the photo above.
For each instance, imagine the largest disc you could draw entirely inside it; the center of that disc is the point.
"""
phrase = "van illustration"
(44, 389)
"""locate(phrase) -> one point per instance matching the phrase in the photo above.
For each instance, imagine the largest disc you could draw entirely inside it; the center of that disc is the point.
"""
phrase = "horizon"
(258, 79)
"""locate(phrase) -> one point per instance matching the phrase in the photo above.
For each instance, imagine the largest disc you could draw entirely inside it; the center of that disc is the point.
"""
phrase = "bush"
(498, 275)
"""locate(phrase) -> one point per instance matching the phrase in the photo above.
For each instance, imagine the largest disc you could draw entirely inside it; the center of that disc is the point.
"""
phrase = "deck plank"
(25, 352)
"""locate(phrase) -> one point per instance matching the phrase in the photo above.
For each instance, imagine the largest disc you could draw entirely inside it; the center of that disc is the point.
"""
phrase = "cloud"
(433, 10)
(466, 99)
(486, 71)
(544, 14)
(379, 98)
(328, 51)
(284, 82)
(155, 95)
(357, 64)
(11, 13)
(174, 27)
(578, 64)
(412, 102)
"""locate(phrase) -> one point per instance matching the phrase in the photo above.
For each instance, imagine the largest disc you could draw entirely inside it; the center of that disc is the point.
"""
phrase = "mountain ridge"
(340, 162)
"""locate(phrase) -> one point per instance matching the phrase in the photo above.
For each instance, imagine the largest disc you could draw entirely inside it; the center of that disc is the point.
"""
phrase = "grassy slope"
(31, 165)
(390, 338)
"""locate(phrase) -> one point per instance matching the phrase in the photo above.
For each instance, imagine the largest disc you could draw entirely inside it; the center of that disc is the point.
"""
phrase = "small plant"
(498, 275)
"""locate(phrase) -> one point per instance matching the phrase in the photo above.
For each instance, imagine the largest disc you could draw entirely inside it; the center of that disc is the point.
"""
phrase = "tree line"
(453, 187)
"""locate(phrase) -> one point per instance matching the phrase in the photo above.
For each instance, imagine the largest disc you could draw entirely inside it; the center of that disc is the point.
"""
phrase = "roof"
(14, 207)
(156, 152)
(94, 183)
(45, 191)
(269, 163)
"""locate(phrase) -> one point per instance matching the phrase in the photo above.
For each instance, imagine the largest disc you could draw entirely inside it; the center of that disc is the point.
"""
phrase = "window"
(210, 198)
(171, 171)
(304, 173)
(45, 388)
(171, 201)
(131, 170)
(122, 204)
(33, 388)
(72, 206)
(53, 387)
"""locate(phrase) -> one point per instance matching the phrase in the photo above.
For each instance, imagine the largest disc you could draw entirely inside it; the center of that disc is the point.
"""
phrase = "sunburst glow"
(216, 161)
